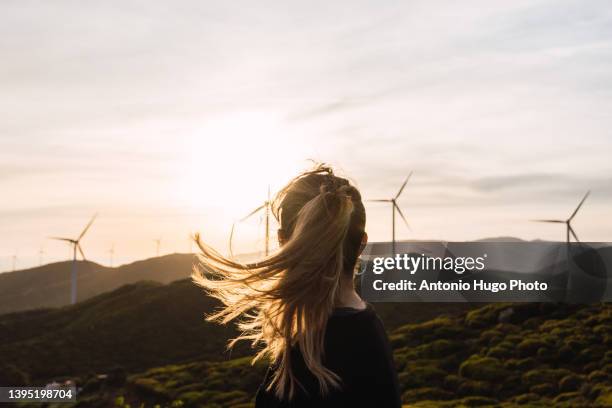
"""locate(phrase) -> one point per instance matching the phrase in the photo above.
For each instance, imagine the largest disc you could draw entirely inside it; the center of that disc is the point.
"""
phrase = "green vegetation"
(542, 355)
(147, 345)
(136, 327)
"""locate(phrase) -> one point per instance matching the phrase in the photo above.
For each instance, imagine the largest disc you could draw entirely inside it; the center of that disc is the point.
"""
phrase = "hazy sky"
(171, 117)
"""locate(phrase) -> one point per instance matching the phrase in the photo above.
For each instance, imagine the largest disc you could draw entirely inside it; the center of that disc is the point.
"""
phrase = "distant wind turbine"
(41, 252)
(111, 253)
(76, 246)
(568, 222)
(14, 261)
(157, 245)
(394, 208)
(267, 207)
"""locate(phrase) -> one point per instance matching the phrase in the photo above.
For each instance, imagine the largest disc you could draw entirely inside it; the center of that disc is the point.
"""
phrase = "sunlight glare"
(231, 159)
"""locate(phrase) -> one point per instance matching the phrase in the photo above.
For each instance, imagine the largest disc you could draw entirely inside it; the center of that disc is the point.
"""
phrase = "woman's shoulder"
(366, 312)
(349, 320)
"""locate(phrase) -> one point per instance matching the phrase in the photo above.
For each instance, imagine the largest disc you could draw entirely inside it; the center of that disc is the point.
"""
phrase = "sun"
(231, 159)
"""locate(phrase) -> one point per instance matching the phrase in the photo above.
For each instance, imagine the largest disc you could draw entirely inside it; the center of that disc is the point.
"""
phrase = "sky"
(168, 118)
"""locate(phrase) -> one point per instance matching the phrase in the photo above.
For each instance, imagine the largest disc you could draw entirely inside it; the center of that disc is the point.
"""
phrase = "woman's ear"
(364, 242)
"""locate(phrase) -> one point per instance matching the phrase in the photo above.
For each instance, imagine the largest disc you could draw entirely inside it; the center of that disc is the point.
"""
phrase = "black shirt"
(357, 350)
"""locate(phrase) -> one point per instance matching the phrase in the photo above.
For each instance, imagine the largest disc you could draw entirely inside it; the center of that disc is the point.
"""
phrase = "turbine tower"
(111, 253)
(568, 222)
(14, 261)
(157, 245)
(76, 246)
(395, 208)
(267, 207)
(41, 252)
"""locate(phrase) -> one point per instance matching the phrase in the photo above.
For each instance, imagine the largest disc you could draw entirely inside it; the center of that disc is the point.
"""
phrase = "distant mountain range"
(49, 285)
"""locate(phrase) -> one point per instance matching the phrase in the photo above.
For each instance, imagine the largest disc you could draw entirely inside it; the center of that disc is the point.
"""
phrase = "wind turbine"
(267, 207)
(76, 246)
(41, 252)
(394, 208)
(157, 245)
(14, 261)
(111, 252)
(568, 222)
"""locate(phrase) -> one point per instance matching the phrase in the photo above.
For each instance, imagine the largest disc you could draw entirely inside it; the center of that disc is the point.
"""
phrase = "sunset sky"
(174, 117)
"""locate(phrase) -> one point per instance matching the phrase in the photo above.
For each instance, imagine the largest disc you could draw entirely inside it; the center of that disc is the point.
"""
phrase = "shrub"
(522, 364)
(529, 347)
(452, 382)
(426, 328)
(483, 368)
(571, 382)
(440, 348)
(192, 397)
(421, 376)
(426, 393)
(484, 316)
(605, 397)
(525, 398)
(150, 388)
(567, 396)
(598, 376)
(544, 375)
(543, 389)
(500, 352)
(478, 401)
(472, 387)
(491, 336)
(589, 354)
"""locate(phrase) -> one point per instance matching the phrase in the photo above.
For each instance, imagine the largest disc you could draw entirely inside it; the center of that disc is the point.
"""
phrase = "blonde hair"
(285, 300)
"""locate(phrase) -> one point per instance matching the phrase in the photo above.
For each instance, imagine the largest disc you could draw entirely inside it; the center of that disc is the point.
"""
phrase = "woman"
(327, 347)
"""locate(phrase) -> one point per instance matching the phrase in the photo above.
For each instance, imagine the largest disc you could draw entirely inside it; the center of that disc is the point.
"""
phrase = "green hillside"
(544, 355)
(137, 326)
(147, 343)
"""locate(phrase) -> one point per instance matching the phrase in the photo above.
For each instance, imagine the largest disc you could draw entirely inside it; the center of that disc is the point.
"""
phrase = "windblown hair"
(285, 300)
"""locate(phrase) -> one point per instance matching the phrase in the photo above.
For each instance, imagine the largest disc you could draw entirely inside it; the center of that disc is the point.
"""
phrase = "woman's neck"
(347, 295)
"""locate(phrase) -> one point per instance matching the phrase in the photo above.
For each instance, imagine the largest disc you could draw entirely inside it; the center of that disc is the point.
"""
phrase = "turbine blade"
(571, 230)
(87, 227)
(231, 239)
(403, 185)
(579, 205)
(72, 241)
(380, 201)
(81, 251)
(261, 207)
(402, 215)
(553, 221)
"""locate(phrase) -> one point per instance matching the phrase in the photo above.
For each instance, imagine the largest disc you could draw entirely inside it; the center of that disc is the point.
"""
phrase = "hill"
(49, 285)
(138, 326)
(502, 355)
